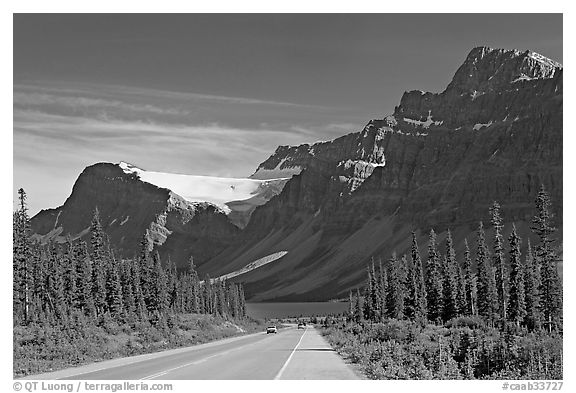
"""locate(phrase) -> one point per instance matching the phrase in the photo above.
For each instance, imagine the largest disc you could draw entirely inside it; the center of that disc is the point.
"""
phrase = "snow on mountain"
(193, 188)
(252, 265)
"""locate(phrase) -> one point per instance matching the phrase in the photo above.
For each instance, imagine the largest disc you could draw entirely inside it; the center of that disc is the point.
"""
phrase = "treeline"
(524, 292)
(53, 282)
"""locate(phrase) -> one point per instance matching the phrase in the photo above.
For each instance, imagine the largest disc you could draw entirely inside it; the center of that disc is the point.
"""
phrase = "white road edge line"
(279, 375)
(156, 355)
(161, 373)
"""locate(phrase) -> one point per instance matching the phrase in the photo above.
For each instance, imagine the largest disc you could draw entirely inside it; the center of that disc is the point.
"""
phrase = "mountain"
(309, 219)
(438, 161)
(178, 213)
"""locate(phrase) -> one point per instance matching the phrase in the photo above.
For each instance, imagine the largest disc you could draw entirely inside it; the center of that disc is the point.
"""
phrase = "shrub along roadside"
(461, 349)
(42, 348)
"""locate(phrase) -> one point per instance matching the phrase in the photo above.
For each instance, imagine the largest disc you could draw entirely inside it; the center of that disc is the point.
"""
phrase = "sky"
(215, 94)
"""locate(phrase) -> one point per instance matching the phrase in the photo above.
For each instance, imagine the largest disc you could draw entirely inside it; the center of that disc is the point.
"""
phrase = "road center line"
(279, 375)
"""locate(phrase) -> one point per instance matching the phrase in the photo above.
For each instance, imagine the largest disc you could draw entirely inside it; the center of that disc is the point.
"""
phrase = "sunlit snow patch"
(193, 188)
(253, 265)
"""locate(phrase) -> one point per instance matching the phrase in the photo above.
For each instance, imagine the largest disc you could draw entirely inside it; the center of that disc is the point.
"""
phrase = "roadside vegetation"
(497, 318)
(75, 303)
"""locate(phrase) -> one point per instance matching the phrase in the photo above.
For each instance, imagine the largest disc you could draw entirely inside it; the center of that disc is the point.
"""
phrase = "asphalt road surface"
(290, 354)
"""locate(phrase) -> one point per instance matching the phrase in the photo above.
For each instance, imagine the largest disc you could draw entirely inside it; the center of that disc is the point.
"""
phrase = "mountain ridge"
(438, 161)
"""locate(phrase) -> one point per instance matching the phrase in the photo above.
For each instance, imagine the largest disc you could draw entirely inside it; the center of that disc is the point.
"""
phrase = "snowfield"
(216, 190)
(251, 266)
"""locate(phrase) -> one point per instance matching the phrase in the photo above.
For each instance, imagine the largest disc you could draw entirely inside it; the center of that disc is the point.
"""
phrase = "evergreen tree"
(70, 274)
(517, 306)
(159, 290)
(195, 303)
(396, 288)
(84, 283)
(469, 282)
(114, 296)
(171, 283)
(22, 268)
(127, 288)
(373, 302)
(55, 284)
(449, 281)
(532, 290)
(462, 305)
(367, 311)
(242, 298)
(550, 285)
(383, 285)
(420, 308)
(350, 305)
(434, 290)
(486, 288)
(498, 261)
(358, 307)
(411, 291)
(146, 273)
(136, 282)
(208, 295)
(99, 264)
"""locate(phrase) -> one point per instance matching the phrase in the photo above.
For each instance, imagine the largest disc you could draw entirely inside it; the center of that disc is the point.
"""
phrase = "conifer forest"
(72, 301)
(491, 313)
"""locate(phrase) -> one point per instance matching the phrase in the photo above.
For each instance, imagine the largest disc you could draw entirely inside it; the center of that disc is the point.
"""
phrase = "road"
(290, 354)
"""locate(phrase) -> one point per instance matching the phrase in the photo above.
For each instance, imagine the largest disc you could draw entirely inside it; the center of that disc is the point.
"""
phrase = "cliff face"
(129, 209)
(438, 161)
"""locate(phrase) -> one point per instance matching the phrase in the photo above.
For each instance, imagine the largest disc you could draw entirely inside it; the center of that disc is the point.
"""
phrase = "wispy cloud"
(59, 130)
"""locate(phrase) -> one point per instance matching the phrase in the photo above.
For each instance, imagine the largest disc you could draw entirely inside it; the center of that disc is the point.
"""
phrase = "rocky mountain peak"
(487, 69)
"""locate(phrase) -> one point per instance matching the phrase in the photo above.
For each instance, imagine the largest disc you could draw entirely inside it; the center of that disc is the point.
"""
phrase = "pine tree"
(550, 285)
(486, 288)
(242, 298)
(159, 290)
(517, 306)
(99, 264)
(383, 284)
(449, 281)
(532, 290)
(434, 290)
(498, 260)
(146, 273)
(358, 307)
(462, 305)
(350, 306)
(367, 311)
(195, 303)
(85, 277)
(22, 268)
(420, 310)
(137, 282)
(396, 288)
(469, 282)
(208, 295)
(411, 292)
(55, 283)
(171, 283)
(114, 296)
(373, 302)
(70, 274)
(127, 288)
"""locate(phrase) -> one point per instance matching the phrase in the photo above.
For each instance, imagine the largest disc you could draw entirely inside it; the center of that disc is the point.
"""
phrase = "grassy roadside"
(40, 348)
(461, 349)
